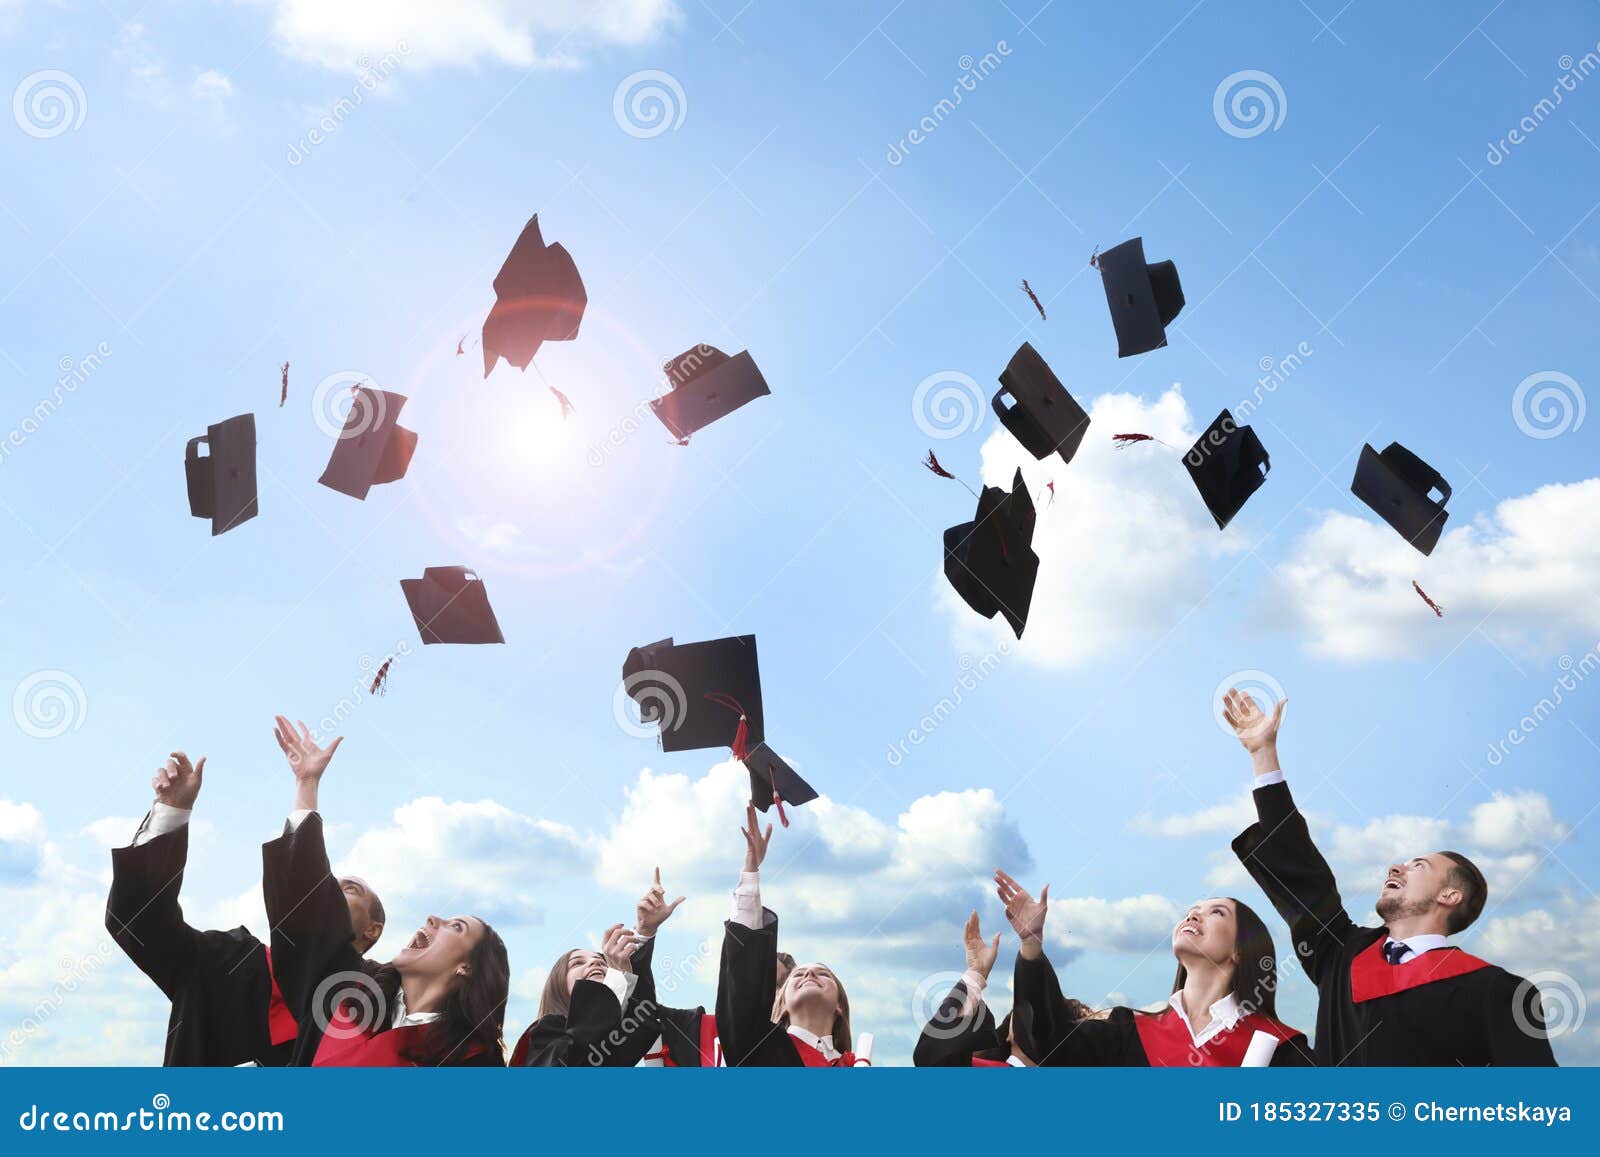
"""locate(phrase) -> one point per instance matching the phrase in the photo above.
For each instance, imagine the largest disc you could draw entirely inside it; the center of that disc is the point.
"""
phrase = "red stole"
(1371, 976)
(812, 1058)
(980, 1063)
(346, 1045)
(281, 1025)
(1167, 1042)
(710, 1047)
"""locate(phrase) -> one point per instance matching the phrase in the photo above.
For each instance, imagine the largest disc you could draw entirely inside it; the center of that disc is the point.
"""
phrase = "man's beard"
(1394, 906)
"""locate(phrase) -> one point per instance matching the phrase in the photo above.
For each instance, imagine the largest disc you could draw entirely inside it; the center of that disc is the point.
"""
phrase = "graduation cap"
(1228, 465)
(701, 694)
(990, 561)
(707, 384)
(539, 297)
(1396, 484)
(774, 782)
(222, 485)
(1045, 418)
(1143, 298)
(450, 605)
(373, 448)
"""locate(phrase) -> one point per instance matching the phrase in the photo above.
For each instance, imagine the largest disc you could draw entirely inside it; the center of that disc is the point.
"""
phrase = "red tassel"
(284, 397)
(380, 682)
(1051, 487)
(566, 403)
(1033, 297)
(778, 800)
(1123, 441)
(933, 464)
(459, 344)
(1433, 606)
(1094, 258)
(741, 734)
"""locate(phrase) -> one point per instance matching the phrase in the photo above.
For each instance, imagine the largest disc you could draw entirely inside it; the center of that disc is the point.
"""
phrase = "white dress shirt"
(747, 900)
(1225, 1013)
(1269, 778)
(1415, 946)
(823, 1044)
(161, 819)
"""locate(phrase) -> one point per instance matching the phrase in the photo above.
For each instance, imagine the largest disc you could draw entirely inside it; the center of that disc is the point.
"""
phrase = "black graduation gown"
(219, 983)
(587, 1035)
(1115, 1041)
(1440, 1015)
(950, 1040)
(681, 1031)
(313, 940)
(747, 984)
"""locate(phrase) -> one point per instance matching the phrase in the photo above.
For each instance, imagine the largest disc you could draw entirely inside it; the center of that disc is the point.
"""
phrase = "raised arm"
(312, 936)
(1277, 849)
(1034, 979)
(962, 1024)
(142, 912)
(747, 980)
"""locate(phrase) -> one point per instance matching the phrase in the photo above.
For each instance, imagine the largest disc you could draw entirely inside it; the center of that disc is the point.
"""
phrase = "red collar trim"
(1371, 976)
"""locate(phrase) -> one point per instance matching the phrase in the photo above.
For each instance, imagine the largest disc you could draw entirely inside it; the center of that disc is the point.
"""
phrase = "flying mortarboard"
(1045, 418)
(774, 782)
(701, 694)
(373, 448)
(450, 605)
(222, 485)
(539, 297)
(1396, 484)
(1228, 464)
(1143, 298)
(706, 384)
(990, 561)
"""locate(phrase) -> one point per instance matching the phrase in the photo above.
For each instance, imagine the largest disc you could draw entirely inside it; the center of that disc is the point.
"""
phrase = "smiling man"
(1401, 994)
(226, 1005)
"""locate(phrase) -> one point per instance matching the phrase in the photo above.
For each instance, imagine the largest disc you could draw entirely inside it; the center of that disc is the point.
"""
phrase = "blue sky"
(180, 237)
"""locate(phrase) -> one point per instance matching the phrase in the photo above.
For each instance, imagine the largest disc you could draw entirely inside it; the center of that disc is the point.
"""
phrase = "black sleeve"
(581, 1039)
(1294, 1053)
(1516, 1026)
(1280, 856)
(312, 937)
(1035, 984)
(747, 984)
(143, 914)
(949, 1039)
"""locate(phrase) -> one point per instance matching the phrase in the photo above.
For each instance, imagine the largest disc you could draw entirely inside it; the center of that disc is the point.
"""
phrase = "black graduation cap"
(990, 560)
(1045, 418)
(1228, 464)
(450, 605)
(539, 297)
(671, 683)
(772, 781)
(373, 448)
(222, 485)
(1143, 298)
(706, 384)
(1396, 484)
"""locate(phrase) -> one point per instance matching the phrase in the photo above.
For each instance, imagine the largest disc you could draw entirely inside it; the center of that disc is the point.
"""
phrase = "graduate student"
(581, 1010)
(440, 1001)
(807, 1022)
(1400, 994)
(1221, 1013)
(962, 1031)
(226, 1005)
(663, 1035)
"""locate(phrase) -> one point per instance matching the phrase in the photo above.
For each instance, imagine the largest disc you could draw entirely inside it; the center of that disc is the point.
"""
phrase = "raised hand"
(306, 759)
(177, 782)
(755, 849)
(1257, 731)
(1024, 912)
(981, 953)
(618, 946)
(653, 909)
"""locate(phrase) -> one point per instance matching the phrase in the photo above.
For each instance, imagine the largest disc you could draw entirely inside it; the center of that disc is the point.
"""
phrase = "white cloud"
(1231, 817)
(145, 64)
(213, 90)
(483, 858)
(1125, 549)
(22, 841)
(1137, 924)
(1509, 822)
(1523, 575)
(522, 33)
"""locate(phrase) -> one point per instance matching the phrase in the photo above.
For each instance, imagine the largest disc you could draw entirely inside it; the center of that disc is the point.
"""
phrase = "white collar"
(404, 1019)
(1016, 1062)
(1417, 945)
(1225, 1013)
(823, 1044)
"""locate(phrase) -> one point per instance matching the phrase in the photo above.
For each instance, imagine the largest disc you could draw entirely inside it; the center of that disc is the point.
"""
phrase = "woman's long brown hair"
(1255, 974)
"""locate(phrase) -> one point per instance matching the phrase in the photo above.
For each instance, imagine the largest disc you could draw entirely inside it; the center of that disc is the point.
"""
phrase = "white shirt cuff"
(296, 818)
(621, 984)
(163, 818)
(1269, 779)
(747, 900)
